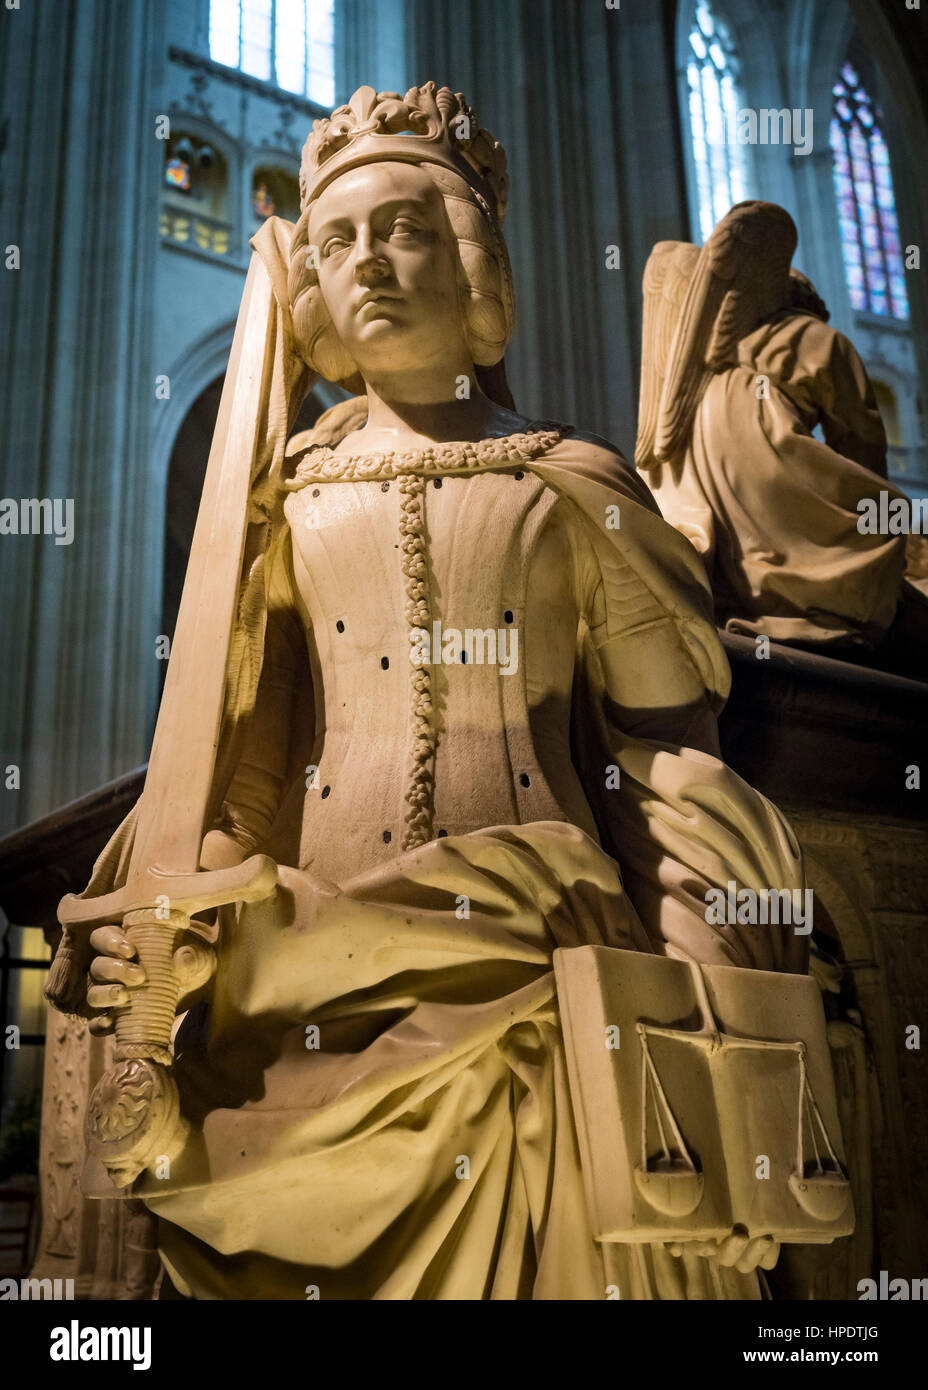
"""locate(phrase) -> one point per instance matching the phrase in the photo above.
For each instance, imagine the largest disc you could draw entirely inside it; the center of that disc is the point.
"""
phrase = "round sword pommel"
(133, 1118)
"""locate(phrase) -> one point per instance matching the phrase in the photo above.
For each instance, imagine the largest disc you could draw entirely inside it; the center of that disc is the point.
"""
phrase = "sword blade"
(173, 804)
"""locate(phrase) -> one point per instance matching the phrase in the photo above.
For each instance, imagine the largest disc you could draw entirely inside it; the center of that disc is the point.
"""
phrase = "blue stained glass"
(866, 202)
(721, 162)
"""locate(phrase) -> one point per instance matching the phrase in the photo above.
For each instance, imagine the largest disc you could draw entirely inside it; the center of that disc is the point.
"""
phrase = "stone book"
(703, 1098)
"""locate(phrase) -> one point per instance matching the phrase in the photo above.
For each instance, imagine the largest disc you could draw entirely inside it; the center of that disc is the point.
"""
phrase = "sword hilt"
(143, 1027)
(133, 1118)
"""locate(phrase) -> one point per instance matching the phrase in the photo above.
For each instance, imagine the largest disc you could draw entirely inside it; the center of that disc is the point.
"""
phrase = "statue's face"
(388, 267)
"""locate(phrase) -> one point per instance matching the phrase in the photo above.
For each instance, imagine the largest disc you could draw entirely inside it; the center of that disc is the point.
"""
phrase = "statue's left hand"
(735, 1251)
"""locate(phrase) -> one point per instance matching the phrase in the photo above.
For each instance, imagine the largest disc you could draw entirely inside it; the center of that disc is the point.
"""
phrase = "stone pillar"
(81, 171)
(370, 47)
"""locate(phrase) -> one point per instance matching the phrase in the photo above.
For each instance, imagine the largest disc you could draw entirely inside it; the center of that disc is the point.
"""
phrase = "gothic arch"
(283, 167)
(205, 132)
(189, 378)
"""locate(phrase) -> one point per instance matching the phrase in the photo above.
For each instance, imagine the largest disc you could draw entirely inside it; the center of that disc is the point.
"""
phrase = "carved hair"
(485, 278)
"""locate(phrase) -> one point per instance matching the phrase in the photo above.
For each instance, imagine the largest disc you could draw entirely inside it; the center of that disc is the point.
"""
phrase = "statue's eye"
(404, 226)
(332, 245)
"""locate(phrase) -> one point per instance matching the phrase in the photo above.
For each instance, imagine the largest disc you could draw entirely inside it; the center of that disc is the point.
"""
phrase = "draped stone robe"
(772, 509)
(377, 1092)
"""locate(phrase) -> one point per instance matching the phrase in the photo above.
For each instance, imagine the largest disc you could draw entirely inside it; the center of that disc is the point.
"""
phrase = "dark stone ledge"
(56, 854)
(821, 734)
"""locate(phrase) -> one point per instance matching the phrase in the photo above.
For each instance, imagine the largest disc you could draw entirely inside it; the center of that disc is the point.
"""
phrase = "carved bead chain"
(413, 468)
(320, 464)
(420, 791)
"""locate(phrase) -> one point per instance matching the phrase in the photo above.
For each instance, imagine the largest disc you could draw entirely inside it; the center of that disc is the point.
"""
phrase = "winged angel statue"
(369, 1088)
(739, 369)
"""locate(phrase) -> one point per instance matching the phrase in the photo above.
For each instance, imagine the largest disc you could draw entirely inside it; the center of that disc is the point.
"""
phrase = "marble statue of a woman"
(471, 715)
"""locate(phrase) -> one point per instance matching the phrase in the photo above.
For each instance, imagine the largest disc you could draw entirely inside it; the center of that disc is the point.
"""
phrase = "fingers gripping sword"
(133, 1115)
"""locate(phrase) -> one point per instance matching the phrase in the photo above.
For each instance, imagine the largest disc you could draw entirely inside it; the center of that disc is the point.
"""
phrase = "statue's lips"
(376, 299)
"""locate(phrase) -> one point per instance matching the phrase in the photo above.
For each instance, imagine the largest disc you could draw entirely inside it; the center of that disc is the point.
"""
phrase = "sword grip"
(143, 1027)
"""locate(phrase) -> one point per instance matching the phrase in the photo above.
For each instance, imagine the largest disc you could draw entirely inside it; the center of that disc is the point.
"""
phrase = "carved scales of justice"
(691, 1128)
(133, 1116)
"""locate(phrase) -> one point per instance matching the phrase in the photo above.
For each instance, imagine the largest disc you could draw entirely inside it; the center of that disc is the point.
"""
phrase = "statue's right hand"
(114, 970)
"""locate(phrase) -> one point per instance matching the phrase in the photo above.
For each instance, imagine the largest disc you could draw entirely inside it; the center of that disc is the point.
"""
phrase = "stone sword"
(133, 1115)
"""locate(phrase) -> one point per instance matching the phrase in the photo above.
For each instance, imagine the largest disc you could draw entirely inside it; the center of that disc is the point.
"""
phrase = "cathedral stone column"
(81, 170)
(76, 391)
(370, 47)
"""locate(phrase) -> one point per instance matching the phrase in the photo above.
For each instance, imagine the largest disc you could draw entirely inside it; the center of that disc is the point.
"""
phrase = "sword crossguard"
(248, 882)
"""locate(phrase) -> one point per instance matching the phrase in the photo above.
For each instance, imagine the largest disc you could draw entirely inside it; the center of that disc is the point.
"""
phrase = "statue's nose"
(371, 270)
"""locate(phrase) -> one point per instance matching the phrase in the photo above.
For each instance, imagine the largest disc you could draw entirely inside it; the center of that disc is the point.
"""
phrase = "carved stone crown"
(428, 125)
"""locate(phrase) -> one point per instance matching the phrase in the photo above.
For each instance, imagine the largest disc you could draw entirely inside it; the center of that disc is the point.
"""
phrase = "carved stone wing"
(667, 277)
(741, 278)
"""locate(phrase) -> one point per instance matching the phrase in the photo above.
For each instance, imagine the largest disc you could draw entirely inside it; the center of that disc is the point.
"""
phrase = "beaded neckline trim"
(323, 465)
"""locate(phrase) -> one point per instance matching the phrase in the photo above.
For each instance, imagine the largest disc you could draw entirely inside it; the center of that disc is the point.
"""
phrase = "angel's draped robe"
(426, 1148)
(773, 509)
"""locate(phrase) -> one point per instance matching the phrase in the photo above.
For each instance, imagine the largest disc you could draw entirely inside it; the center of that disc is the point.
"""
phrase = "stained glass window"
(177, 174)
(262, 202)
(712, 78)
(866, 204)
(288, 42)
